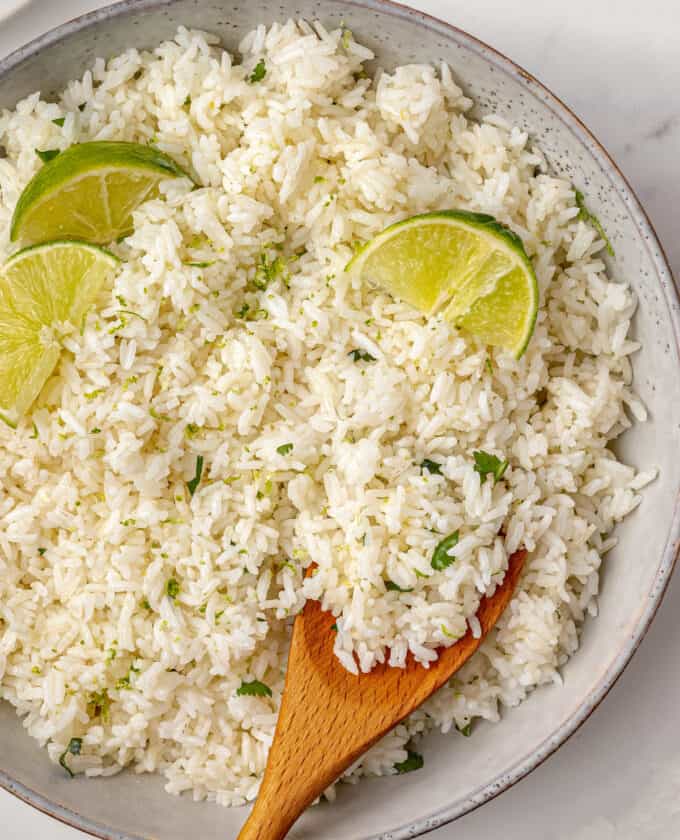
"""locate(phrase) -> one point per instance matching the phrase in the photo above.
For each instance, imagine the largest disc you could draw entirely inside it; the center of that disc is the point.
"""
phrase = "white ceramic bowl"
(459, 774)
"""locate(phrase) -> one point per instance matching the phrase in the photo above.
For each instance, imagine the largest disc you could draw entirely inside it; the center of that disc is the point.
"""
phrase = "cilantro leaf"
(47, 155)
(361, 356)
(391, 586)
(465, 730)
(196, 480)
(431, 466)
(254, 688)
(258, 73)
(486, 464)
(172, 588)
(440, 556)
(59, 121)
(285, 448)
(414, 761)
(586, 216)
(74, 747)
(268, 270)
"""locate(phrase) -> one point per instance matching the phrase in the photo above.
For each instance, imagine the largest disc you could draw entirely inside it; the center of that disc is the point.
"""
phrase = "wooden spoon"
(330, 717)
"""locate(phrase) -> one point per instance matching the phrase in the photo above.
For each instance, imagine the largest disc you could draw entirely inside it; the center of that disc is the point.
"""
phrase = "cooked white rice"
(181, 360)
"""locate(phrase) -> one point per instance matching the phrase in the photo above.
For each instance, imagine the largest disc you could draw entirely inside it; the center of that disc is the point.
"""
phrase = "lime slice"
(42, 289)
(466, 265)
(90, 191)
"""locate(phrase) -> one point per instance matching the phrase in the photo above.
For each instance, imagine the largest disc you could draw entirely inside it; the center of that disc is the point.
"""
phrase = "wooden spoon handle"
(329, 717)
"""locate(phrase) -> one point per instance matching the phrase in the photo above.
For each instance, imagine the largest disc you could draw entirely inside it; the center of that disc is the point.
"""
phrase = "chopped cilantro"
(285, 448)
(47, 155)
(187, 101)
(96, 431)
(268, 270)
(440, 556)
(59, 121)
(319, 179)
(361, 356)
(145, 604)
(414, 761)
(243, 311)
(486, 464)
(488, 365)
(41, 551)
(431, 466)
(99, 704)
(74, 747)
(391, 586)
(196, 480)
(255, 688)
(191, 430)
(334, 627)
(258, 73)
(589, 218)
(465, 730)
(172, 588)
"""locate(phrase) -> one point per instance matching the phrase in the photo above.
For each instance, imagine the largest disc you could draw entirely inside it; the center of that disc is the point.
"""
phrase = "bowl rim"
(671, 293)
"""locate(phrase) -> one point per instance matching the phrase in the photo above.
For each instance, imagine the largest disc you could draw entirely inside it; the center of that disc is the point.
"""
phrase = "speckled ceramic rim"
(572, 123)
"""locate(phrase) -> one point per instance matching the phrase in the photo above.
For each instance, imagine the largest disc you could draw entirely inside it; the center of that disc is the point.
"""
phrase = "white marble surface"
(617, 64)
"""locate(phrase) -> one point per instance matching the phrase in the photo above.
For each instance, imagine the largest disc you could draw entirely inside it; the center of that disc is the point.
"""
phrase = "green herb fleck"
(145, 604)
(488, 365)
(99, 705)
(255, 688)
(589, 218)
(391, 586)
(414, 761)
(258, 73)
(187, 101)
(91, 395)
(431, 466)
(285, 448)
(243, 311)
(96, 431)
(319, 179)
(157, 416)
(334, 627)
(196, 480)
(191, 430)
(172, 588)
(486, 464)
(36, 669)
(47, 155)
(74, 747)
(465, 730)
(361, 356)
(59, 121)
(41, 551)
(268, 270)
(440, 556)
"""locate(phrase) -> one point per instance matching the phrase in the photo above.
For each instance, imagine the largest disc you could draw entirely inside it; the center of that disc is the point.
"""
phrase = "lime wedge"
(466, 265)
(42, 289)
(90, 191)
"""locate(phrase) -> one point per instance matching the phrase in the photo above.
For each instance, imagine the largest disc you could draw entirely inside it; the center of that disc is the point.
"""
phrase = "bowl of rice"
(237, 406)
